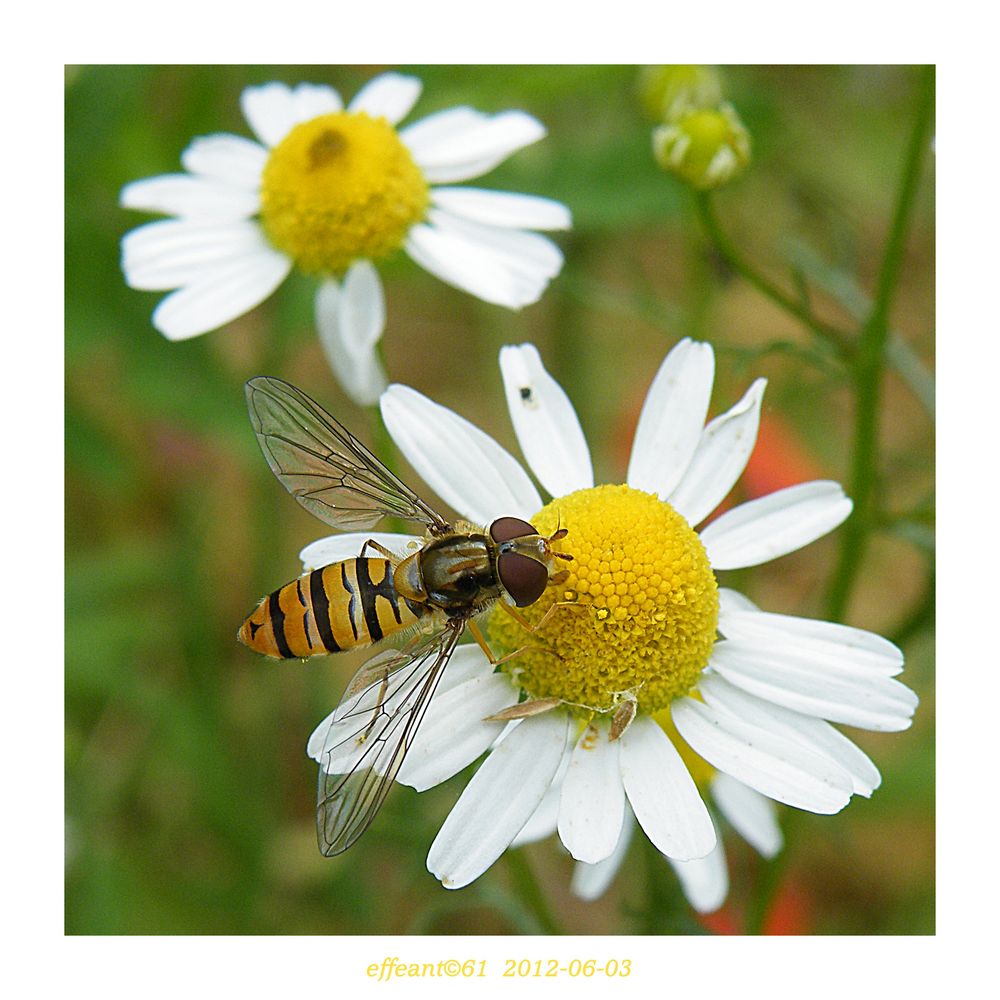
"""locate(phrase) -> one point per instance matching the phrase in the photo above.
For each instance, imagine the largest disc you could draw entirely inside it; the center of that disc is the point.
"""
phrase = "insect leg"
(526, 625)
(372, 544)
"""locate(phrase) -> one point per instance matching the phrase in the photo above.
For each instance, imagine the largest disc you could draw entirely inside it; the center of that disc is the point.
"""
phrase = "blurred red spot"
(780, 459)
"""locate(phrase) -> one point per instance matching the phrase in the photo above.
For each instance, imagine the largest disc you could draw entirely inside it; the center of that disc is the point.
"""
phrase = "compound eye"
(522, 577)
(503, 529)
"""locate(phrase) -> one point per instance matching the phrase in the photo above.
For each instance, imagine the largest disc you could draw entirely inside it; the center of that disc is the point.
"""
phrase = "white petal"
(474, 268)
(592, 804)
(498, 800)
(525, 253)
(663, 794)
(336, 548)
(269, 111)
(750, 814)
(590, 881)
(774, 765)
(764, 529)
(843, 644)
(672, 418)
(720, 458)
(221, 295)
(440, 128)
(733, 600)
(187, 196)
(705, 881)
(464, 466)
(816, 687)
(471, 145)
(453, 732)
(175, 252)
(503, 208)
(230, 158)
(390, 96)
(350, 320)
(542, 822)
(310, 100)
(545, 422)
(809, 731)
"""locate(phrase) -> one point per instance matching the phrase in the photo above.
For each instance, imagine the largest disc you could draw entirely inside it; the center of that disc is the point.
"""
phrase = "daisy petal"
(663, 794)
(481, 268)
(472, 146)
(336, 548)
(761, 530)
(750, 814)
(705, 881)
(231, 158)
(786, 677)
(844, 645)
(523, 252)
(204, 198)
(390, 96)
(733, 600)
(502, 208)
(542, 822)
(175, 252)
(672, 418)
(350, 320)
(310, 100)
(807, 730)
(269, 111)
(439, 129)
(590, 881)
(464, 466)
(776, 766)
(592, 804)
(545, 422)
(453, 732)
(720, 458)
(498, 801)
(221, 295)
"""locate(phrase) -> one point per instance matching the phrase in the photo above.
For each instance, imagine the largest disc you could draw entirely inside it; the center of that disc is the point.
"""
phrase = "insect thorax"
(458, 572)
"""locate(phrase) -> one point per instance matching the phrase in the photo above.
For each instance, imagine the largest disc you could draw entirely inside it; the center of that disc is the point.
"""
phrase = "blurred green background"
(189, 799)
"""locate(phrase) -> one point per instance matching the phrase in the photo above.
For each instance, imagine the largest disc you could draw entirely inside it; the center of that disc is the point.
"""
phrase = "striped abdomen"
(341, 606)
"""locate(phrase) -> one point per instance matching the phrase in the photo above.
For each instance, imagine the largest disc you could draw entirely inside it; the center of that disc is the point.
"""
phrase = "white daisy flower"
(331, 190)
(725, 696)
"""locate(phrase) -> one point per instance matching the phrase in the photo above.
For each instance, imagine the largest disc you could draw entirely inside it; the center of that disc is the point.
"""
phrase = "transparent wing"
(364, 744)
(328, 470)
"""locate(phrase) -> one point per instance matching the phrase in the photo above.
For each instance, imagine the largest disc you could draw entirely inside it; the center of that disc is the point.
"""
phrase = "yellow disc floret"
(641, 605)
(338, 188)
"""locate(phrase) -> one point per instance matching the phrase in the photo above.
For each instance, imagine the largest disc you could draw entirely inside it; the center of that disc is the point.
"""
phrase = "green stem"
(797, 307)
(869, 361)
(529, 892)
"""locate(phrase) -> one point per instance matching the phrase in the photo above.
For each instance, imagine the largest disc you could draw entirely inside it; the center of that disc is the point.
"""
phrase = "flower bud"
(706, 147)
(667, 91)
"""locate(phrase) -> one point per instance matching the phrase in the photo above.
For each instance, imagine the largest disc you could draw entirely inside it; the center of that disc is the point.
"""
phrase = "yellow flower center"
(339, 188)
(642, 605)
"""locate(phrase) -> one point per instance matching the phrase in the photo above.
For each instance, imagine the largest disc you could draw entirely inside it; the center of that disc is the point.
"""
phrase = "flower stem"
(527, 888)
(796, 306)
(869, 361)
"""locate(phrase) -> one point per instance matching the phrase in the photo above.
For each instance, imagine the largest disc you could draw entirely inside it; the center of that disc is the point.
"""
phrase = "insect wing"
(362, 747)
(332, 474)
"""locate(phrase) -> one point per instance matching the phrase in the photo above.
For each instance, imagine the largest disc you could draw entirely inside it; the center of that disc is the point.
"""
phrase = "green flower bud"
(667, 91)
(706, 148)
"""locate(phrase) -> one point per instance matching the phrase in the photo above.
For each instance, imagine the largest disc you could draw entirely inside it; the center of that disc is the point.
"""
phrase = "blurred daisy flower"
(332, 190)
(664, 686)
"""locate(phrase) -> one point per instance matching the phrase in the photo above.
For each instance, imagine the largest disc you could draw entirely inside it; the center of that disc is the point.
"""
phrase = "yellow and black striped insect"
(435, 592)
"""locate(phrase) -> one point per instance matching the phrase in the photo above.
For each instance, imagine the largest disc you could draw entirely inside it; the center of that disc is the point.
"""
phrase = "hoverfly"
(437, 590)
